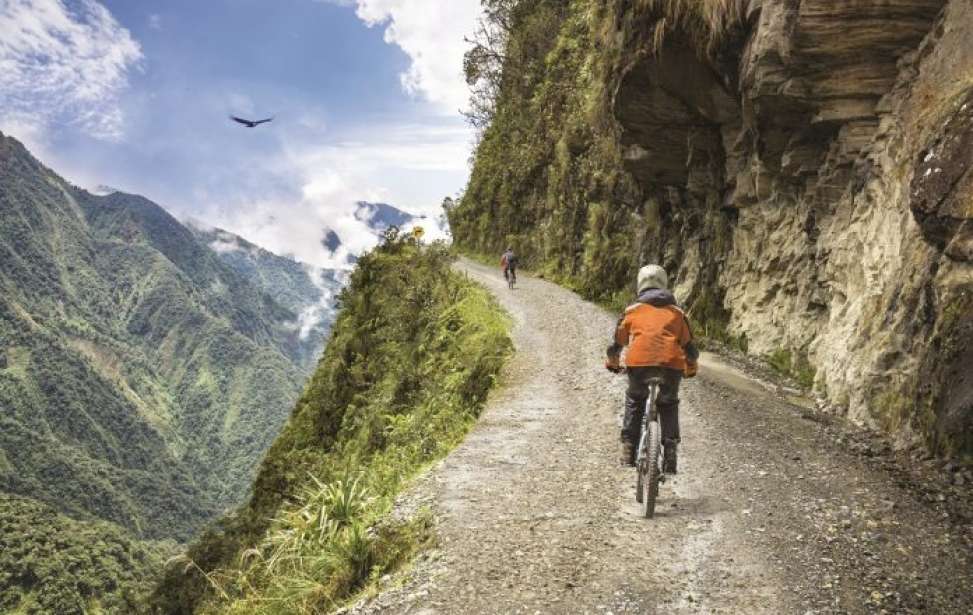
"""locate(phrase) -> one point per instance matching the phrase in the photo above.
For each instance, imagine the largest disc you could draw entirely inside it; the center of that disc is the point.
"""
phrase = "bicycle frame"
(650, 414)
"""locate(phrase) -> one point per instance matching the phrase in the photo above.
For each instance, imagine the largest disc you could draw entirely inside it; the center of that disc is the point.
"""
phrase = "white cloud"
(155, 21)
(431, 33)
(63, 64)
(403, 165)
(311, 316)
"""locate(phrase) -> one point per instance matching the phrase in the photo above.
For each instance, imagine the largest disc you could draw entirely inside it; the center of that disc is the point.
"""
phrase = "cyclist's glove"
(692, 368)
(613, 360)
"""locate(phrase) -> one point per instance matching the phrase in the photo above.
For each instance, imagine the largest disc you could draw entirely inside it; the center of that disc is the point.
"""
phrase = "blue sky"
(135, 95)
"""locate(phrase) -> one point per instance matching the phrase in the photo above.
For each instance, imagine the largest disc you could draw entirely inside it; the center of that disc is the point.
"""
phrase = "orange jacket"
(656, 332)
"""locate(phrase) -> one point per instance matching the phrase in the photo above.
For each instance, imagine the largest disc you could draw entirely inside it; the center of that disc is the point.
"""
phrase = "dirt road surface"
(771, 511)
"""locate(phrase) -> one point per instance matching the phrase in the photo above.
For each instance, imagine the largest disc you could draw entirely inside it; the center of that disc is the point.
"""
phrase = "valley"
(274, 392)
(143, 373)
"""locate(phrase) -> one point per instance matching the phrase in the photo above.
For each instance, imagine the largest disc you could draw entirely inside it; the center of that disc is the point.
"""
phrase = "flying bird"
(250, 123)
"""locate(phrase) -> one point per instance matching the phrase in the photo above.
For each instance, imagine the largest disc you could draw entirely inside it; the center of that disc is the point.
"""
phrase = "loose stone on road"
(767, 514)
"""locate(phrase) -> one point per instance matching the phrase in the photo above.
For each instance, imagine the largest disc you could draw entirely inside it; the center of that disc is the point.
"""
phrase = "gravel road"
(772, 511)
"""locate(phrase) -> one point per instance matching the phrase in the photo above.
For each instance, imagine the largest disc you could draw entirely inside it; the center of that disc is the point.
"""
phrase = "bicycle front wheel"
(649, 470)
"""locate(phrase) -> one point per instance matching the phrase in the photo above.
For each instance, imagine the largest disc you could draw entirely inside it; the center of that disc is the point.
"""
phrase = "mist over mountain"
(145, 366)
(331, 241)
(308, 291)
(380, 216)
(103, 190)
(372, 220)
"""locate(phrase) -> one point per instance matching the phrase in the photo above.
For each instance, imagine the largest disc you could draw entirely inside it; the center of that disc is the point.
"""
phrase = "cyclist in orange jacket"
(660, 345)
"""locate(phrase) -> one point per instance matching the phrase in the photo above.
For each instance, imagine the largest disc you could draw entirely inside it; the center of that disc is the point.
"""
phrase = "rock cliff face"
(803, 167)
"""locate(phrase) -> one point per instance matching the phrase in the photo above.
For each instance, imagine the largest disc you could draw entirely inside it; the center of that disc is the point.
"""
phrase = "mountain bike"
(648, 473)
(511, 275)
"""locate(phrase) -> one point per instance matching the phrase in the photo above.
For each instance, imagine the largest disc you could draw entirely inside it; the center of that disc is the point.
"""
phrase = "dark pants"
(667, 402)
(510, 272)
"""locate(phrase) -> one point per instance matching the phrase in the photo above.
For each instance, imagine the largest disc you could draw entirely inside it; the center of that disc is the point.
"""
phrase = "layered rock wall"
(806, 177)
(847, 176)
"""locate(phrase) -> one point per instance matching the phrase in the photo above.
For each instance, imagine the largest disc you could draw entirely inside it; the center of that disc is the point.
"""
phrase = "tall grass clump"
(412, 356)
(706, 22)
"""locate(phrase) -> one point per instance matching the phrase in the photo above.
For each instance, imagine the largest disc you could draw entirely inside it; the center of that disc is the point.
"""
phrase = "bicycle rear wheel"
(649, 470)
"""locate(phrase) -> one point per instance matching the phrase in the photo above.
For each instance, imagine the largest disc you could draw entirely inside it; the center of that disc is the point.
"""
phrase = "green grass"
(412, 356)
(792, 365)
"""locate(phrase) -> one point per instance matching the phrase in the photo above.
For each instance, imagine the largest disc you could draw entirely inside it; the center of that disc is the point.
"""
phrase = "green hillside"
(50, 563)
(413, 353)
(306, 290)
(549, 175)
(141, 377)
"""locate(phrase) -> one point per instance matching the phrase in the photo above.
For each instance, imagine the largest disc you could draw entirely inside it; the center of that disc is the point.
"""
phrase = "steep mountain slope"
(414, 351)
(50, 563)
(308, 291)
(802, 169)
(141, 378)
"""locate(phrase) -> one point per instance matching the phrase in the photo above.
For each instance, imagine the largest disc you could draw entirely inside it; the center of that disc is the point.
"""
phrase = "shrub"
(412, 356)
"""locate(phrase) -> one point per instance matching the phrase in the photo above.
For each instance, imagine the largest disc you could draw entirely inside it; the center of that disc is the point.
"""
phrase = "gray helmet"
(652, 276)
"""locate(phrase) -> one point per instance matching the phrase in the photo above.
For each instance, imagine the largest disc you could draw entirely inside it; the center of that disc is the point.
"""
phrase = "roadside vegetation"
(413, 354)
(549, 175)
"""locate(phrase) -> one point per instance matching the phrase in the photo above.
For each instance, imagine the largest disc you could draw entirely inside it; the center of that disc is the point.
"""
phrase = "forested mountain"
(50, 563)
(142, 376)
(306, 290)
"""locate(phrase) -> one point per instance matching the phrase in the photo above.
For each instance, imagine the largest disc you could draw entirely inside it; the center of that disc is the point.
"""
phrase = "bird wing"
(269, 119)
(241, 120)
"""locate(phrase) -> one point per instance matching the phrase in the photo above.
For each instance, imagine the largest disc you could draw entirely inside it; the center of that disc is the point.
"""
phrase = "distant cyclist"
(508, 263)
(660, 345)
